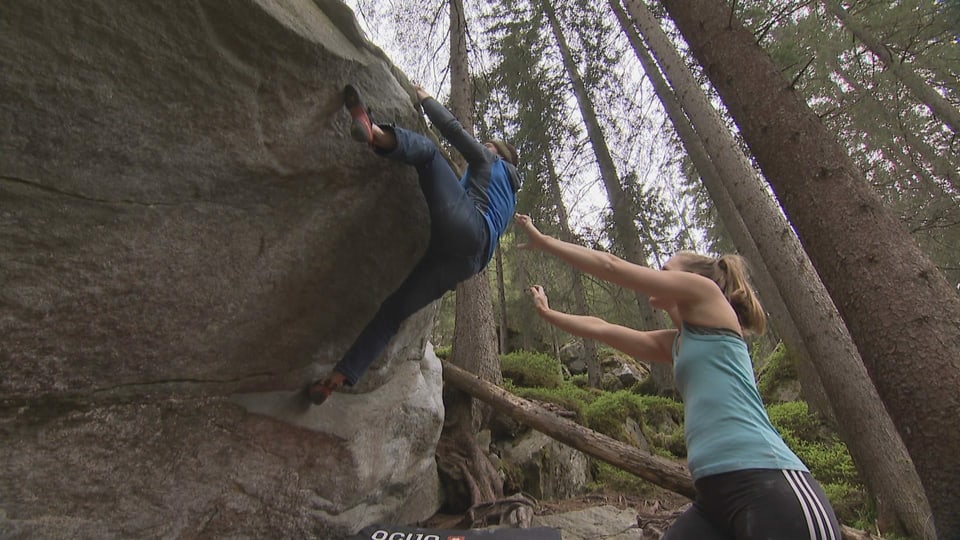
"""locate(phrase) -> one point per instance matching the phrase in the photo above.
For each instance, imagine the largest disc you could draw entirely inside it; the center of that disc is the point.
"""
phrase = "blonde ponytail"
(730, 273)
(736, 287)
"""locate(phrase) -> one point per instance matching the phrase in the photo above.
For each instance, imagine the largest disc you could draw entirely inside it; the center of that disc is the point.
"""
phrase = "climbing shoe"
(362, 127)
(321, 390)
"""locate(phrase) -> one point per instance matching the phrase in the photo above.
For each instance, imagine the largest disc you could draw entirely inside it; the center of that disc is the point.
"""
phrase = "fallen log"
(655, 469)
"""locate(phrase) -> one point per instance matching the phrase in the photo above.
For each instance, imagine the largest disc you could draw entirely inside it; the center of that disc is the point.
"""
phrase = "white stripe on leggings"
(810, 504)
(821, 511)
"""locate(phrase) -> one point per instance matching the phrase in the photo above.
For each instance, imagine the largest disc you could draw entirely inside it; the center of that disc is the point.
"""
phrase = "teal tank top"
(725, 424)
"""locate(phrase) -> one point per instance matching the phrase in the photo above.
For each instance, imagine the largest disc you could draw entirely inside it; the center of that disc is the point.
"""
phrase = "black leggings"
(758, 503)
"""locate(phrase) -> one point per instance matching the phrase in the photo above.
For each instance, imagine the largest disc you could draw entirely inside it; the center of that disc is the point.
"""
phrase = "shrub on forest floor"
(778, 368)
(608, 477)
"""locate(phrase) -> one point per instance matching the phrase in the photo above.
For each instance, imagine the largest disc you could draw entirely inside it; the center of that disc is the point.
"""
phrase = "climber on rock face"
(467, 217)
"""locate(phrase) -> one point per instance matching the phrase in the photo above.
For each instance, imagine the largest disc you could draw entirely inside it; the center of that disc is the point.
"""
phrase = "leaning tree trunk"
(661, 471)
(867, 429)
(460, 458)
(901, 312)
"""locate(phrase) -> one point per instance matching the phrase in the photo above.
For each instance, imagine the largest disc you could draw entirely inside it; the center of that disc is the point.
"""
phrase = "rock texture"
(550, 469)
(187, 236)
(601, 522)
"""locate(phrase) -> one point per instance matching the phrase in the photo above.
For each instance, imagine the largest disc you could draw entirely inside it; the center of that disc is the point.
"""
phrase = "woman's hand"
(535, 238)
(539, 298)
(421, 93)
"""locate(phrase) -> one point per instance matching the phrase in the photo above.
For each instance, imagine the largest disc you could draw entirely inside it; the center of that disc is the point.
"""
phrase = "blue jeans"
(457, 250)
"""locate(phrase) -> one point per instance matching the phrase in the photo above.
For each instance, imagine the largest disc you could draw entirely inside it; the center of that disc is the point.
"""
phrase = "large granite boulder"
(188, 235)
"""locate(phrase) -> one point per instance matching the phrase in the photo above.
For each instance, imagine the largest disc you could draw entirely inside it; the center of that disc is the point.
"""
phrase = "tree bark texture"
(901, 313)
(504, 334)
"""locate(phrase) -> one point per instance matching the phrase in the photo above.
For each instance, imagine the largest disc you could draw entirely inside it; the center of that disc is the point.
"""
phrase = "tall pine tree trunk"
(504, 333)
(460, 457)
(902, 314)
(806, 313)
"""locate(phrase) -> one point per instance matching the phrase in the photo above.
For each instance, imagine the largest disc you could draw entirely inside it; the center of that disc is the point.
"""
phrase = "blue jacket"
(491, 182)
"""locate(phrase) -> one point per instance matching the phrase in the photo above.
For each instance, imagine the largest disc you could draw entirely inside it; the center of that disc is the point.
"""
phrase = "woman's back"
(726, 426)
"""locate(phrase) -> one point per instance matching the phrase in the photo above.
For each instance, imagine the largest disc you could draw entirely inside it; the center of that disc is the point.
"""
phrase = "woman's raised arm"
(652, 346)
(676, 286)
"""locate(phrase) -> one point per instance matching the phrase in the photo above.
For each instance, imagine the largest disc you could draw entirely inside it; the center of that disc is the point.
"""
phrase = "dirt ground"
(665, 501)
(655, 511)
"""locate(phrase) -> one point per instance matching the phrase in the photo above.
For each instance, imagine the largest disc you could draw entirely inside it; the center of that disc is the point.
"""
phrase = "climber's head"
(505, 150)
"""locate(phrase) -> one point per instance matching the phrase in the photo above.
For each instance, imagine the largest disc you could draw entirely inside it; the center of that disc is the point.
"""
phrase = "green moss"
(608, 477)
(566, 395)
(645, 387)
(675, 444)
(608, 356)
(608, 414)
(531, 369)
(663, 426)
(850, 504)
(662, 408)
(778, 368)
(795, 422)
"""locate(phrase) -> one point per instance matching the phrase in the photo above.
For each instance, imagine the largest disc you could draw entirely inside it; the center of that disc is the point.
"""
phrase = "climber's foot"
(362, 127)
(321, 390)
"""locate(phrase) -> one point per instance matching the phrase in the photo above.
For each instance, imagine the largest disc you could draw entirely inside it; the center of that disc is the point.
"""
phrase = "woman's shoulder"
(710, 310)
